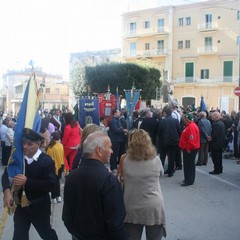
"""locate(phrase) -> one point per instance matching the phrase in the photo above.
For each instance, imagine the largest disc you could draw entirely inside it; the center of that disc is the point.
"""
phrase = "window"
(161, 25)
(180, 44)
(19, 89)
(57, 90)
(147, 46)
(204, 73)
(208, 44)
(187, 44)
(147, 24)
(238, 15)
(160, 46)
(188, 21)
(47, 90)
(189, 71)
(238, 40)
(133, 28)
(133, 49)
(208, 20)
(227, 71)
(180, 22)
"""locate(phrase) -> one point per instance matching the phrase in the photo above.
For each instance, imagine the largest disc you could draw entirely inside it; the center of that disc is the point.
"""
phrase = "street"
(208, 210)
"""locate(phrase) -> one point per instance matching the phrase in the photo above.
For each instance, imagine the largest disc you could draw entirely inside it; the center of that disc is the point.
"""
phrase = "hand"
(7, 198)
(20, 180)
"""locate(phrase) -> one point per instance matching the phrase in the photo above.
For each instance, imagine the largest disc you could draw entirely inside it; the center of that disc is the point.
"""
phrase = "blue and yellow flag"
(28, 117)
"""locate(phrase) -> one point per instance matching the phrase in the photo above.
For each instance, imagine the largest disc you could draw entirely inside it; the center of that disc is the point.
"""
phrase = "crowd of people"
(112, 187)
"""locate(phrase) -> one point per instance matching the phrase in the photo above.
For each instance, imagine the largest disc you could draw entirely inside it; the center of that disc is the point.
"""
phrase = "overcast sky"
(46, 31)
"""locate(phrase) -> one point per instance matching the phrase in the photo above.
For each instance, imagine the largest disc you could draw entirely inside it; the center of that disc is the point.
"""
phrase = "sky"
(47, 31)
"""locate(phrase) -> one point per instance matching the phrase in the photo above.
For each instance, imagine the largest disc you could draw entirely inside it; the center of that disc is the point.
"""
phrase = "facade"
(54, 92)
(195, 46)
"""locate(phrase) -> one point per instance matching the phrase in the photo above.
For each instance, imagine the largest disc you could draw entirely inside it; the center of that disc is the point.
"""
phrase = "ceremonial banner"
(203, 106)
(28, 117)
(132, 97)
(88, 111)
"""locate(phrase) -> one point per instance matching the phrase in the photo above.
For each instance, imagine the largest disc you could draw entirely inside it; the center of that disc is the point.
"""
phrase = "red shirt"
(190, 137)
(71, 136)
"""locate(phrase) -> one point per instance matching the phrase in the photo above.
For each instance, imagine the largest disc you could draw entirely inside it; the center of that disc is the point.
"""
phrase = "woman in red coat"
(71, 139)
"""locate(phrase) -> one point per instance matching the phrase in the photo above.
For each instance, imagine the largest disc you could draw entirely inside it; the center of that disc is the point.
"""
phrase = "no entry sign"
(237, 91)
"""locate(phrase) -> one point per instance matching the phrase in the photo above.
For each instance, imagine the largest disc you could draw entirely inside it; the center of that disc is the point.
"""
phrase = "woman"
(143, 197)
(56, 152)
(71, 139)
(88, 129)
(9, 139)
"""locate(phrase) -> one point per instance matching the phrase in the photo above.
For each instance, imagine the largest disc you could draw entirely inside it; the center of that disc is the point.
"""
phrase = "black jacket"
(93, 203)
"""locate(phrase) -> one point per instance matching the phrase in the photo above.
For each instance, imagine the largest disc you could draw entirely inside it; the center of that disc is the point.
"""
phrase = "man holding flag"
(30, 173)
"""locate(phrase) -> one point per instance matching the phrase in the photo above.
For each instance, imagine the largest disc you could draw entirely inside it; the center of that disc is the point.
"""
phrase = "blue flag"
(203, 106)
(29, 117)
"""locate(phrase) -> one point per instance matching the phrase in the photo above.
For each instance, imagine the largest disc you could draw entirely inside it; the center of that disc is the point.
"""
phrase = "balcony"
(145, 32)
(148, 53)
(208, 50)
(222, 79)
(208, 26)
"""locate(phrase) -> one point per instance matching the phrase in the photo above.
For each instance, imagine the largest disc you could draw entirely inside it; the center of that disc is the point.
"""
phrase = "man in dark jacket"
(217, 142)
(169, 132)
(93, 202)
(37, 182)
(116, 133)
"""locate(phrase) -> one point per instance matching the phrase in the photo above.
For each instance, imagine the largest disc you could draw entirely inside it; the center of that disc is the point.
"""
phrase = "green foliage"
(123, 75)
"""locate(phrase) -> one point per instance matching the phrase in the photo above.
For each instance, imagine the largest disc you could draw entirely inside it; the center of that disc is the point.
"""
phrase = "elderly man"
(189, 143)
(93, 203)
(217, 142)
(37, 183)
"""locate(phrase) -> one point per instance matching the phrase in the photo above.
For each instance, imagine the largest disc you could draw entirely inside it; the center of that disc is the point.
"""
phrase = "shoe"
(54, 200)
(198, 164)
(59, 199)
(185, 184)
(238, 161)
(170, 174)
(205, 164)
(214, 173)
(178, 168)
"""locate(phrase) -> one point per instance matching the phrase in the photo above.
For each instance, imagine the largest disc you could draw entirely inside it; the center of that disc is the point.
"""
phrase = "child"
(55, 150)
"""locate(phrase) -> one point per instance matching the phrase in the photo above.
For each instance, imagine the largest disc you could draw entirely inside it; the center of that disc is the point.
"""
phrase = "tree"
(123, 75)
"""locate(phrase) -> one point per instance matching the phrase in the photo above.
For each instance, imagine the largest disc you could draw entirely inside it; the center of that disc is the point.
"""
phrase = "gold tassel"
(24, 200)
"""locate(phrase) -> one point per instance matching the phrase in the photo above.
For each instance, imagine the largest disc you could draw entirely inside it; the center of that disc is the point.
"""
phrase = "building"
(54, 92)
(196, 47)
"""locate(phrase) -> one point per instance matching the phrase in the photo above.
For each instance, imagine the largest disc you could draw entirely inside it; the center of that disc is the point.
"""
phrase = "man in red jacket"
(189, 143)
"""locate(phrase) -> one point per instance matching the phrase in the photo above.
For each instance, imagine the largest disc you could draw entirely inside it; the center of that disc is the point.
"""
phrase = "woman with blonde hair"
(143, 197)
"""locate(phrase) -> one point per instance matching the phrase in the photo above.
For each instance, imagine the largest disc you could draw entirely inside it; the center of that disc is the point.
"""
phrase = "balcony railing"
(148, 53)
(207, 50)
(230, 79)
(208, 26)
(147, 32)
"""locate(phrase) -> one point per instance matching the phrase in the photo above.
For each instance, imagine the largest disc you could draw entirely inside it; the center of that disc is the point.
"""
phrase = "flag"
(117, 99)
(108, 93)
(132, 91)
(28, 117)
(203, 106)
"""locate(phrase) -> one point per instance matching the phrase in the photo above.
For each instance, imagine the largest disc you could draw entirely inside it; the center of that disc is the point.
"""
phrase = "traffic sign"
(237, 91)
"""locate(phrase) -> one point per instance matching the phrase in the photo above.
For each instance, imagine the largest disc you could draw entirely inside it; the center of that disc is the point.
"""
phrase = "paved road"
(208, 210)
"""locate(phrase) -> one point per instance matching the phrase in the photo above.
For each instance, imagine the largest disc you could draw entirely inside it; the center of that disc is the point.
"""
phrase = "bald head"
(216, 116)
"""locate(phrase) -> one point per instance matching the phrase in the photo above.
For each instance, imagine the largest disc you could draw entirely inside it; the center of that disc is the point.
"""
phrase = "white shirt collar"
(34, 158)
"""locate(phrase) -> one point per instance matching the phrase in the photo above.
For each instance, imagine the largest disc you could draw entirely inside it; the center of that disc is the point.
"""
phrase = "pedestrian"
(205, 129)
(169, 131)
(71, 139)
(217, 142)
(3, 132)
(117, 135)
(56, 152)
(9, 139)
(87, 130)
(37, 182)
(93, 203)
(190, 144)
(143, 198)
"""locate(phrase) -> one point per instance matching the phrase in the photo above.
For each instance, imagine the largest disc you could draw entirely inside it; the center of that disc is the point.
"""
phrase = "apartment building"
(54, 92)
(196, 47)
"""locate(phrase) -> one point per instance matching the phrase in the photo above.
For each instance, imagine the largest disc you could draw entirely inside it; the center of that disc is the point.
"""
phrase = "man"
(169, 131)
(37, 183)
(189, 143)
(56, 120)
(217, 142)
(3, 132)
(117, 135)
(93, 203)
(205, 129)
(150, 125)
